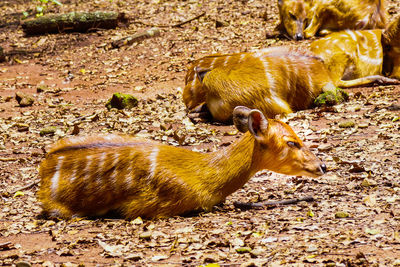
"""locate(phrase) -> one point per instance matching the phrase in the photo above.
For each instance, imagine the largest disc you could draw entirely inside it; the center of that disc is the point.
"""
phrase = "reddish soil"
(81, 72)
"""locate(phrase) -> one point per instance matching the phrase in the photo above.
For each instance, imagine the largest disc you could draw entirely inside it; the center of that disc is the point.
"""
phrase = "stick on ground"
(138, 37)
(242, 205)
(174, 25)
(25, 187)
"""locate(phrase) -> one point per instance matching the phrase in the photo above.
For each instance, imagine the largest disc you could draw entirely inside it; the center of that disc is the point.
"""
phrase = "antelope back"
(351, 54)
(93, 174)
(274, 80)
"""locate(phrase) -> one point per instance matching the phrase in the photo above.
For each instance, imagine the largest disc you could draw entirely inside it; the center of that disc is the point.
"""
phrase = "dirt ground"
(76, 74)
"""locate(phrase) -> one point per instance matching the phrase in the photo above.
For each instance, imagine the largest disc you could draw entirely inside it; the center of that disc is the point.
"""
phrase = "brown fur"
(335, 15)
(92, 175)
(357, 58)
(293, 17)
(275, 80)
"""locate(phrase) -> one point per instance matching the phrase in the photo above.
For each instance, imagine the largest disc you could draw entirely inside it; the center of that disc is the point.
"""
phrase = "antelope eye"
(293, 17)
(293, 144)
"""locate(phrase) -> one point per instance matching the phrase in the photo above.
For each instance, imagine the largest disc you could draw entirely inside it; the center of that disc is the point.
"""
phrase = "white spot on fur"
(102, 161)
(213, 62)
(56, 177)
(242, 56)
(113, 175)
(281, 103)
(227, 58)
(87, 167)
(153, 163)
(129, 180)
(373, 61)
(194, 78)
(352, 35)
(73, 175)
(270, 77)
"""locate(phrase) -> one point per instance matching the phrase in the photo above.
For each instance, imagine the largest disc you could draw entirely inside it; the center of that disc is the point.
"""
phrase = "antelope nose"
(298, 36)
(323, 167)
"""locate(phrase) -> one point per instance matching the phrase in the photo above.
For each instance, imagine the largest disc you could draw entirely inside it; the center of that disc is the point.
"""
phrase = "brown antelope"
(306, 18)
(90, 176)
(276, 80)
(357, 58)
(293, 16)
(335, 15)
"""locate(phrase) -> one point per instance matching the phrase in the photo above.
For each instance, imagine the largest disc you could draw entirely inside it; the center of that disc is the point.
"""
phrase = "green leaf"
(19, 194)
(310, 213)
(56, 2)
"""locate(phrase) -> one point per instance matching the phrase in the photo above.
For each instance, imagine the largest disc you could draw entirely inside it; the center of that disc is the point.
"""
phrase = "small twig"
(25, 187)
(22, 51)
(173, 25)
(189, 20)
(138, 37)
(242, 205)
(5, 244)
(8, 159)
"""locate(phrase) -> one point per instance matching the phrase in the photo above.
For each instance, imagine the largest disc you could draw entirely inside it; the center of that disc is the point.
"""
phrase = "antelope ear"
(200, 72)
(257, 123)
(241, 118)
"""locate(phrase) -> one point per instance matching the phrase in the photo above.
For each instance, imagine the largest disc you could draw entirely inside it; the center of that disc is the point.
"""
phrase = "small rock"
(257, 252)
(21, 127)
(42, 88)
(51, 130)
(145, 235)
(210, 258)
(324, 147)
(134, 256)
(219, 24)
(363, 125)
(312, 249)
(23, 264)
(24, 100)
(121, 101)
(347, 124)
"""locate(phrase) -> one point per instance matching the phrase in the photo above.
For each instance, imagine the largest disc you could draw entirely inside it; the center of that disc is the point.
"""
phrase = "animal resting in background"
(293, 16)
(335, 15)
(356, 58)
(276, 80)
(306, 18)
(93, 175)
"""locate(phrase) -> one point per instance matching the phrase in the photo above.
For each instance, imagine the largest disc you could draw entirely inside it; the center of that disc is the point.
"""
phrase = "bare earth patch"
(354, 220)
